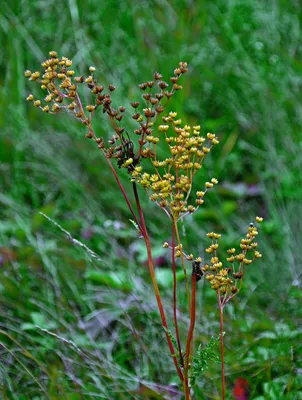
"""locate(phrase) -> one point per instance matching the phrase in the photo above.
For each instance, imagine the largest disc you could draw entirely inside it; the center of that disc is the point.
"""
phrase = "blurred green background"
(76, 327)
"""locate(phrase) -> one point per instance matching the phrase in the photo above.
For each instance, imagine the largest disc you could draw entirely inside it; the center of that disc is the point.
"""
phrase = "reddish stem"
(123, 191)
(154, 282)
(190, 337)
(175, 298)
(221, 348)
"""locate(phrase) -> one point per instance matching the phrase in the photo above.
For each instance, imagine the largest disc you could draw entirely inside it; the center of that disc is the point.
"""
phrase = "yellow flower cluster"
(60, 82)
(170, 185)
(60, 85)
(219, 276)
(215, 273)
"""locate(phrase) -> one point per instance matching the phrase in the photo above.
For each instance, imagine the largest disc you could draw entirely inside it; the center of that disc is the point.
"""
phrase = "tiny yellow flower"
(199, 202)
(138, 169)
(163, 128)
(90, 108)
(55, 107)
(53, 54)
(231, 251)
(210, 136)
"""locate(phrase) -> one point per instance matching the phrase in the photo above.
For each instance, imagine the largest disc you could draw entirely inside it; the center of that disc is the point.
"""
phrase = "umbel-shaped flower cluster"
(224, 277)
(171, 183)
(62, 85)
(167, 180)
(227, 279)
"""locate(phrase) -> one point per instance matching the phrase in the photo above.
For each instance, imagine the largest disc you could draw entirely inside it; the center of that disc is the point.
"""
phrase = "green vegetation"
(79, 326)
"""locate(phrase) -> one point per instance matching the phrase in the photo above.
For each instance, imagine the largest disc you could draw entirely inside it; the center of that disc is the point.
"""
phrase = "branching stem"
(190, 338)
(183, 264)
(154, 282)
(221, 347)
(175, 298)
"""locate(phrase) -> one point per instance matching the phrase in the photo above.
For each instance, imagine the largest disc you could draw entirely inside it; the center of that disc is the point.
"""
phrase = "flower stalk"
(168, 186)
(221, 347)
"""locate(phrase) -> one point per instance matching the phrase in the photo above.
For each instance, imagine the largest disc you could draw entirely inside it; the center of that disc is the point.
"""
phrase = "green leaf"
(116, 280)
(164, 277)
(203, 356)
(40, 320)
(173, 340)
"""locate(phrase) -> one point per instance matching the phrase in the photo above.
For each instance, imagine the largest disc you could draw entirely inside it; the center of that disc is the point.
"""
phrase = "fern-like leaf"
(202, 358)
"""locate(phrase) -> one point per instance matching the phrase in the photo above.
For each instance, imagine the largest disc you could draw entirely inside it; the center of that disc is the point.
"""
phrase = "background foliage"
(77, 327)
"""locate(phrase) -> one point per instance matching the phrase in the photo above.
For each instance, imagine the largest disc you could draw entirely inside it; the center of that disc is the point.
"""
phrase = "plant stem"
(154, 282)
(112, 168)
(142, 226)
(190, 338)
(122, 190)
(221, 348)
(183, 265)
(175, 297)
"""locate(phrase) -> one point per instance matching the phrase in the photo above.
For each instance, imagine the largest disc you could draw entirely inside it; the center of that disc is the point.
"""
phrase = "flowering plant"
(167, 181)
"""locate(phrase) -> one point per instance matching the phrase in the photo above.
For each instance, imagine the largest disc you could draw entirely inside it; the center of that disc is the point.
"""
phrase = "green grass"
(244, 84)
